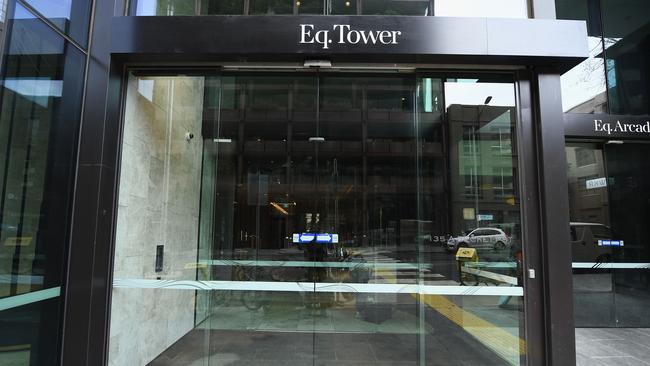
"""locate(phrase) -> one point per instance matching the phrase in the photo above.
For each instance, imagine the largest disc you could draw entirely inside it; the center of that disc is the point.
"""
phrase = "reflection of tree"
(584, 87)
(205, 7)
(593, 68)
(592, 71)
(222, 7)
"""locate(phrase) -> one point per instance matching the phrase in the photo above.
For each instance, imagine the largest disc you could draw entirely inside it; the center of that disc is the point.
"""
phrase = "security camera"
(189, 136)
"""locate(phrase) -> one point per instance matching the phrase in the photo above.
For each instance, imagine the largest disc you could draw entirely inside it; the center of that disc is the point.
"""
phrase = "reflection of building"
(596, 104)
(628, 77)
(587, 190)
(607, 172)
(360, 181)
(483, 165)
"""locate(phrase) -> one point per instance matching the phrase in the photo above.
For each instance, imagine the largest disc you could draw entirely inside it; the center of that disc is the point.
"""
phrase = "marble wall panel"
(158, 204)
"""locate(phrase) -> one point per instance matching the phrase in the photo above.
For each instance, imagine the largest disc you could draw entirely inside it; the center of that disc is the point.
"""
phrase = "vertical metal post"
(554, 200)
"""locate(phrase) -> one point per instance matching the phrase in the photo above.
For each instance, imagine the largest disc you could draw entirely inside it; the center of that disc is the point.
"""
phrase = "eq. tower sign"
(344, 34)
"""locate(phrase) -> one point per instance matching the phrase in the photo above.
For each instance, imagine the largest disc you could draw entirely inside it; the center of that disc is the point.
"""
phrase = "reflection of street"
(285, 331)
(493, 330)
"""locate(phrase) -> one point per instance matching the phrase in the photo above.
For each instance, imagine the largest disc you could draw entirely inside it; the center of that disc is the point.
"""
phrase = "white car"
(480, 238)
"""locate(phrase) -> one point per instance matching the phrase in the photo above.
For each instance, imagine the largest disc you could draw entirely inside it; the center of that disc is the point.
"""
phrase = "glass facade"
(456, 8)
(615, 78)
(608, 183)
(360, 214)
(609, 213)
(312, 219)
(69, 16)
(41, 93)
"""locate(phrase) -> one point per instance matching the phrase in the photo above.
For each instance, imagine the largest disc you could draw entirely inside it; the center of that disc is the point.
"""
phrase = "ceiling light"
(318, 63)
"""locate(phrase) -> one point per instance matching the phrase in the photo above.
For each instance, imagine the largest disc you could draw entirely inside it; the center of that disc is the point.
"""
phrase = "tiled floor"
(325, 349)
(613, 346)
(594, 347)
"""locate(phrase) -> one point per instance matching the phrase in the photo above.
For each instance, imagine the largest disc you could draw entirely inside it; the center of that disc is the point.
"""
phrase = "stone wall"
(159, 197)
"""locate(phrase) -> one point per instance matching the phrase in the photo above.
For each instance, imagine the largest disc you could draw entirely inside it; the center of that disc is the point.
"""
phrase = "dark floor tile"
(396, 353)
(355, 351)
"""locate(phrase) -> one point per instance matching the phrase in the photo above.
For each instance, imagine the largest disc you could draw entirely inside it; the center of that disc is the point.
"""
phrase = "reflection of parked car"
(481, 238)
(587, 242)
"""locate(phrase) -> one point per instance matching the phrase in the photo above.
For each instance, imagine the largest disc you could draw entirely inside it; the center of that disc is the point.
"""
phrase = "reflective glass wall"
(318, 219)
(41, 93)
(610, 211)
(456, 8)
(615, 79)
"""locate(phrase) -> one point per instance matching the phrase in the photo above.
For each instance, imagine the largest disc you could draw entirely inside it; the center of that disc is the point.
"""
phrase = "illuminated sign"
(610, 243)
(323, 238)
(596, 183)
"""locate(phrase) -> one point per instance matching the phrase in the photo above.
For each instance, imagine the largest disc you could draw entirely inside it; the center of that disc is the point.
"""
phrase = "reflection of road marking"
(504, 344)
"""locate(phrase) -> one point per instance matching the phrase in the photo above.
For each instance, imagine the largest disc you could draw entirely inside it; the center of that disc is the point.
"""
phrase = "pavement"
(613, 346)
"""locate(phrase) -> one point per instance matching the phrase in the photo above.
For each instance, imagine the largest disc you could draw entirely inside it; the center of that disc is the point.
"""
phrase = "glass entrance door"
(609, 211)
(318, 219)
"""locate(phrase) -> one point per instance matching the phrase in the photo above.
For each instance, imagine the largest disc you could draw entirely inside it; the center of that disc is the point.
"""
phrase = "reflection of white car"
(481, 238)
(592, 242)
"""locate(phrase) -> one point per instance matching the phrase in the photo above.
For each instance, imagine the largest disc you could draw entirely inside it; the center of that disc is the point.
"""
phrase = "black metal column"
(88, 285)
(530, 208)
(554, 202)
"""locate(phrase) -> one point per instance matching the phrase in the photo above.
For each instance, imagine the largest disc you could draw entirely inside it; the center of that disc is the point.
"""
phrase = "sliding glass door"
(318, 219)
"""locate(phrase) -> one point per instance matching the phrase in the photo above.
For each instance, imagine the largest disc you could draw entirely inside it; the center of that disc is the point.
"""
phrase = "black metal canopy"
(409, 39)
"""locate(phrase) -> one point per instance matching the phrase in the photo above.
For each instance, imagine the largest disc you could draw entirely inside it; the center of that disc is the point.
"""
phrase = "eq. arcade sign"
(618, 127)
(342, 34)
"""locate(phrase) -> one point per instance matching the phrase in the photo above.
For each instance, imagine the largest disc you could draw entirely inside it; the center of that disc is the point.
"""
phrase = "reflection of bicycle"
(251, 299)
(343, 274)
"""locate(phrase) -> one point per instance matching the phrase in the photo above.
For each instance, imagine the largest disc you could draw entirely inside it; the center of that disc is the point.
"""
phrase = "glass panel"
(70, 16)
(168, 7)
(481, 8)
(342, 7)
(271, 7)
(158, 233)
(626, 27)
(484, 215)
(609, 212)
(270, 198)
(628, 172)
(456, 8)
(309, 6)
(588, 201)
(584, 86)
(395, 7)
(221, 7)
(326, 206)
(41, 92)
